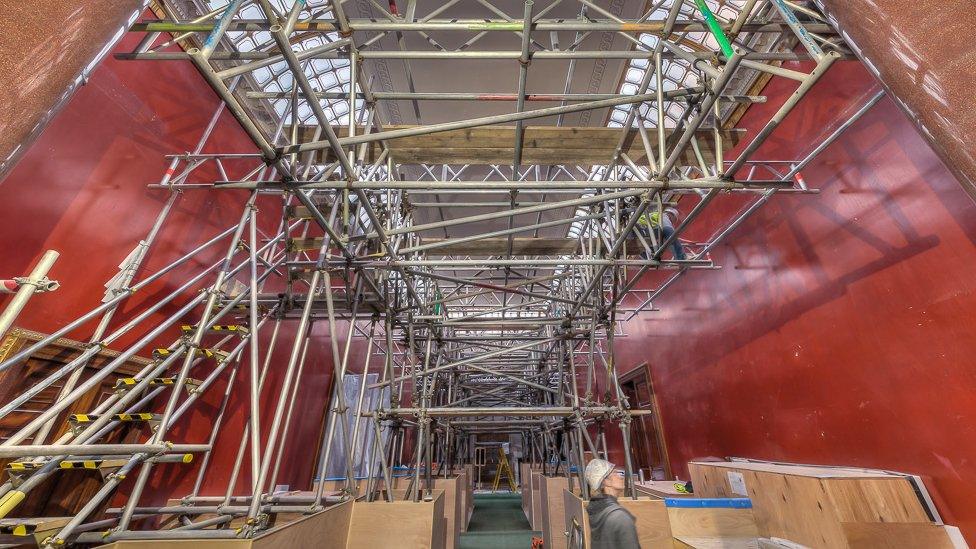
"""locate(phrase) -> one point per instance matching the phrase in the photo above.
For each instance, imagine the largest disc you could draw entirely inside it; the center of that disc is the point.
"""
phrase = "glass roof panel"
(325, 75)
(677, 73)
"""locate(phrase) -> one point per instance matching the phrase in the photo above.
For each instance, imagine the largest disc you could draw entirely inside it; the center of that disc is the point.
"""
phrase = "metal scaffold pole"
(497, 325)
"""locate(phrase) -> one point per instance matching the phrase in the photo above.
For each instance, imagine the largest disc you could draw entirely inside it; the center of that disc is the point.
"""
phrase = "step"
(303, 212)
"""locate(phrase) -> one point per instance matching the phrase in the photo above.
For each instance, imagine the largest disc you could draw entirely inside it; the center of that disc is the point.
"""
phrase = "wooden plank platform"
(545, 145)
(499, 246)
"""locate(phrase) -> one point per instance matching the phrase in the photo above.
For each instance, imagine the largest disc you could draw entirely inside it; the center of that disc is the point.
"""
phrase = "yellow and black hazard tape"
(21, 529)
(138, 416)
(127, 382)
(25, 465)
(81, 464)
(208, 353)
(89, 418)
(161, 353)
(187, 328)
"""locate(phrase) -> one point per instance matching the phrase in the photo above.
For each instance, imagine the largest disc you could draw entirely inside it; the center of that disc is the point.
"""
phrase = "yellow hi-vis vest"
(652, 219)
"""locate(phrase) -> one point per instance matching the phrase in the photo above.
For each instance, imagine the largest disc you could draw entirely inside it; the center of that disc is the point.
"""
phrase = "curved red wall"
(81, 189)
(839, 329)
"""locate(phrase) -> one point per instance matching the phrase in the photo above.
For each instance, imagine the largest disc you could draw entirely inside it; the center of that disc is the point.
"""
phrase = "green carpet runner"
(498, 523)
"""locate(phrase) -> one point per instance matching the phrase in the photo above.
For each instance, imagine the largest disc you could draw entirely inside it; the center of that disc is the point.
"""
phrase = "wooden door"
(646, 433)
(66, 491)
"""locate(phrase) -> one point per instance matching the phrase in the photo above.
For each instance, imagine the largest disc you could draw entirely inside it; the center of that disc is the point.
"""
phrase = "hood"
(599, 508)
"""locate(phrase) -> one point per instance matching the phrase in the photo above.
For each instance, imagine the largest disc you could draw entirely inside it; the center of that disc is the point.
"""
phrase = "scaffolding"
(479, 323)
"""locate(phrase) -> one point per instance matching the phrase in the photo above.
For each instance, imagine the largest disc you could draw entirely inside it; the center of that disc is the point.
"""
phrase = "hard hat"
(597, 470)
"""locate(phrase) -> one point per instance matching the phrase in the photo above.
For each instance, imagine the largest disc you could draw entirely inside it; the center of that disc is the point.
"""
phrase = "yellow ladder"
(503, 467)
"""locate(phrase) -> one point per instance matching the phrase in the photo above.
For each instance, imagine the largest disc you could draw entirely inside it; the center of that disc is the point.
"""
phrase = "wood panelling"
(401, 524)
(651, 517)
(454, 489)
(553, 511)
(877, 535)
(328, 528)
(65, 492)
(808, 505)
(575, 519)
(707, 522)
(537, 502)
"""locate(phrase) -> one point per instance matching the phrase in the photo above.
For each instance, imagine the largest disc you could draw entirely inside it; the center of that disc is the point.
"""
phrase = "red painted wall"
(839, 329)
(81, 190)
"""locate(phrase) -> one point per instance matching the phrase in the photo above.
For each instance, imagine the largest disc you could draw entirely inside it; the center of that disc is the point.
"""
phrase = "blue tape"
(709, 503)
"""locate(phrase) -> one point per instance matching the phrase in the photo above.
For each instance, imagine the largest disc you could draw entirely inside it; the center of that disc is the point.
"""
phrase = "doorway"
(647, 432)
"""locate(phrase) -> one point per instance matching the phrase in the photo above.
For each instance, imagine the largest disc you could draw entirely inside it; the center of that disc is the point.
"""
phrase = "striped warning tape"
(23, 529)
(24, 465)
(90, 463)
(219, 328)
(126, 382)
(89, 418)
(208, 353)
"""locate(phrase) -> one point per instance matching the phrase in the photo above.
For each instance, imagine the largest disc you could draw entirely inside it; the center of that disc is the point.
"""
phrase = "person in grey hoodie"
(611, 526)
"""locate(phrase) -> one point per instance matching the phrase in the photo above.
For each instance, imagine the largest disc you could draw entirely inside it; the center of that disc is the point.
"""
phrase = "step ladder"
(503, 468)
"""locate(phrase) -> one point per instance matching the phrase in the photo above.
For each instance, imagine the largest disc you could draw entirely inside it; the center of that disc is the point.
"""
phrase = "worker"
(611, 526)
(662, 223)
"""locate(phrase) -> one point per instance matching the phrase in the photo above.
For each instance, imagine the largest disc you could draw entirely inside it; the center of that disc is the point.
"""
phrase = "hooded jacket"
(611, 526)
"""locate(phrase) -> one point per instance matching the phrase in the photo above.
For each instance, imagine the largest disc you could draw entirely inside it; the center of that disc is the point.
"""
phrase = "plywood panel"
(331, 524)
(875, 500)
(401, 524)
(789, 507)
(575, 512)
(653, 527)
(468, 494)
(180, 544)
(525, 475)
(453, 494)
(536, 518)
(812, 471)
(553, 512)
(716, 543)
(808, 504)
(711, 522)
(866, 535)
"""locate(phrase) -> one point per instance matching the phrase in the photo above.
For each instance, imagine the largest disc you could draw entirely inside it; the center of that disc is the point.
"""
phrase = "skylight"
(677, 73)
(325, 75)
